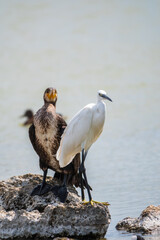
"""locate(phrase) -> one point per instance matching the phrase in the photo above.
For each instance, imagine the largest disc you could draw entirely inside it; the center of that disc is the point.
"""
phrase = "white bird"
(81, 132)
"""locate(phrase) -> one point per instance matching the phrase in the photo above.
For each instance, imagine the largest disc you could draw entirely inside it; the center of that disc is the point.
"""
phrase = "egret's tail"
(64, 160)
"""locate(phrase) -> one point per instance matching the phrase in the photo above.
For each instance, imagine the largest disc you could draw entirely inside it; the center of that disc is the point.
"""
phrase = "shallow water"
(80, 47)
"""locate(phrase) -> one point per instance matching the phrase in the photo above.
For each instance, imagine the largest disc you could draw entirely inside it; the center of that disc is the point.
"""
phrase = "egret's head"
(102, 95)
(50, 96)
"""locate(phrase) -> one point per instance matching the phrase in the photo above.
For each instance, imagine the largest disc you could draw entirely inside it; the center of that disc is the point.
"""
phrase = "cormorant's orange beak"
(52, 95)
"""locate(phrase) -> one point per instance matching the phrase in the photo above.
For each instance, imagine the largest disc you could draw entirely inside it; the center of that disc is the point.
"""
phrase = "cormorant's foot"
(60, 192)
(92, 202)
(40, 190)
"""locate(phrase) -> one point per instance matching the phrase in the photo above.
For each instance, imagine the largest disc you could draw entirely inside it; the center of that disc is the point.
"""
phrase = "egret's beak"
(105, 96)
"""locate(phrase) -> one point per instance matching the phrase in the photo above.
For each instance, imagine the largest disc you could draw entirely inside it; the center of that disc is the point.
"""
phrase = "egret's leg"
(88, 190)
(91, 201)
(82, 185)
(83, 171)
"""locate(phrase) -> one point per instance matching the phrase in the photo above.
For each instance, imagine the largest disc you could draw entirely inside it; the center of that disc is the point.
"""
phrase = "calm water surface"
(80, 47)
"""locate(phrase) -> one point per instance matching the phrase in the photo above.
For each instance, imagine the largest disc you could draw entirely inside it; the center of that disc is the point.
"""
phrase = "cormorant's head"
(50, 96)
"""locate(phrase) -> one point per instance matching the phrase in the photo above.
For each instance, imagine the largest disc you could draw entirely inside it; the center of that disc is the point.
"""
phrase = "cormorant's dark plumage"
(45, 135)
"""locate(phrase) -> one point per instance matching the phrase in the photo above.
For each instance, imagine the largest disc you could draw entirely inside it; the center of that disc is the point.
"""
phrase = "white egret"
(81, 132)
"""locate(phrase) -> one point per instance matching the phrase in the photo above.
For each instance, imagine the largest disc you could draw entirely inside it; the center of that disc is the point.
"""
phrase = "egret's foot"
(104, 203)
(87, 202)
(92, 202)
(40, 190)
(60, 192)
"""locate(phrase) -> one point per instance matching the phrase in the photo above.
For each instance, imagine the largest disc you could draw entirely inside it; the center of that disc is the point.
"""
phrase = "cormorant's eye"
(48, 90)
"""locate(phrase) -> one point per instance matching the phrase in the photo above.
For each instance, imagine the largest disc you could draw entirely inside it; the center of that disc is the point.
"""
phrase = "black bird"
(45, 135)
(29, 114)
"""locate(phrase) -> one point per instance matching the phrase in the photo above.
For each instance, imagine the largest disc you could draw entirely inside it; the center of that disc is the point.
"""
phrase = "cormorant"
(45, 135)
(29, 114)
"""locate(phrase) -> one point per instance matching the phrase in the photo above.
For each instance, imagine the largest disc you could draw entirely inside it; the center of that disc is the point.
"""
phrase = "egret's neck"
(100, 100)
(101, 104)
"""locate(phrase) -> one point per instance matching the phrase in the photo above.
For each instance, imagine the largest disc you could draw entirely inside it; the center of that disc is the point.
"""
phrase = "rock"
(148, 222)
(137, 237)
(42, 217)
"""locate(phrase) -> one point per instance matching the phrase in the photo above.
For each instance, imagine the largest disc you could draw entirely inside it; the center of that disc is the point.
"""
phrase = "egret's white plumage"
(83, 130)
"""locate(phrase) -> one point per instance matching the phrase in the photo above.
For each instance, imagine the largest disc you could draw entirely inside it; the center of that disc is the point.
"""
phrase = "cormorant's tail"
(72, 170)
(73, 179)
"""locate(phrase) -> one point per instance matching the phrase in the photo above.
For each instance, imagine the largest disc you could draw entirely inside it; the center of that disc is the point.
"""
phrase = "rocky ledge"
(148, 222)
(44, 217)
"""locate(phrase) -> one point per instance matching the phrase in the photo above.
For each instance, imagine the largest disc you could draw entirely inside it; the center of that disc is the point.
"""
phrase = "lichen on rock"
(23, 216)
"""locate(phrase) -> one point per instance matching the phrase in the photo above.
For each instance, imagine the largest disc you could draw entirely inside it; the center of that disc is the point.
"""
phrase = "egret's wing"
(79, 124)
(74, 135)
